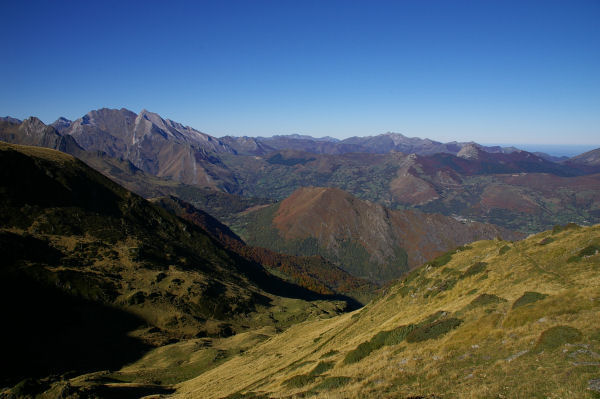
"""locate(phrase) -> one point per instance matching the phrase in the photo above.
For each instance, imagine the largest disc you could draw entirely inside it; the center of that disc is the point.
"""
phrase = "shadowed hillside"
(93, 275)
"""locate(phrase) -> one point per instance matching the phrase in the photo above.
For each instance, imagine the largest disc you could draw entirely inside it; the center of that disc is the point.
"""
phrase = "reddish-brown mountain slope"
(365, 238)
(517, 190)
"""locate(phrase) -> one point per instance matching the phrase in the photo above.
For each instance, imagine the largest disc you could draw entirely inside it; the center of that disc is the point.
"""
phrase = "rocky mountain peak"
(32, 124)
(470, 151)
(61, 124)
(151, 116)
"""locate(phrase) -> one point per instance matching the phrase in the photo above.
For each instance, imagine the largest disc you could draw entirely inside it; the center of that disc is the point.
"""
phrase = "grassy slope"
(549, 347)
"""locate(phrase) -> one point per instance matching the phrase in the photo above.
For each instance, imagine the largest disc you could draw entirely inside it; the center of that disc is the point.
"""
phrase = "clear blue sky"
(492, 71)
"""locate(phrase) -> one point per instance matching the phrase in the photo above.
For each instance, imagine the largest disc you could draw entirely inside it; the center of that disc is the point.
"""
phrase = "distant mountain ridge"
(590, 158)
(380, 144)
(391, 169)
(119, 131)
(155, 145)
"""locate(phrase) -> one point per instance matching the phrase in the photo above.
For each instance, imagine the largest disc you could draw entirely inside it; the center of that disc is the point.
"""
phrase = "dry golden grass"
(39, 152)
(490, 355)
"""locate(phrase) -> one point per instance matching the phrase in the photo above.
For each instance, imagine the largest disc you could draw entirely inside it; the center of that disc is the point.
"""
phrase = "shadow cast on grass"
(45, 332)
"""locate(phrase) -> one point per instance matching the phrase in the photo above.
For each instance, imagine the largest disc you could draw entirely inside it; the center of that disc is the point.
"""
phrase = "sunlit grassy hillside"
(494, 319)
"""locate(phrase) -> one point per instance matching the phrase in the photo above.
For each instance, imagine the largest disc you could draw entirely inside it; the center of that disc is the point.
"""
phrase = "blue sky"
(489, 71)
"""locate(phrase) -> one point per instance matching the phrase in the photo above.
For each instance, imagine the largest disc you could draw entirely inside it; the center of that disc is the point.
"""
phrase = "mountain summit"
(363, 237)
(155, 145)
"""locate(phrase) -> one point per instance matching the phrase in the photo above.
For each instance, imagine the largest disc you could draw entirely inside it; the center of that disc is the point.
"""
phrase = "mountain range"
(379, 144)
(158, 260)
(590, 158)
(121, 132)
(466, 180)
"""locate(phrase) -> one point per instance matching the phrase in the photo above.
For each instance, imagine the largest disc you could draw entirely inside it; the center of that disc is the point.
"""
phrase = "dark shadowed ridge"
(86, 262)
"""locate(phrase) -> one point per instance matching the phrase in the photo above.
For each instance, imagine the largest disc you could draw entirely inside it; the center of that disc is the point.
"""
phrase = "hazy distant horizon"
(554, 149)
(557, 150)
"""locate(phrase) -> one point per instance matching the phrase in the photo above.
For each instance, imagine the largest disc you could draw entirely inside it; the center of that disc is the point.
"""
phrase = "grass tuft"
(527, 298)
(329, 354)
(485, 300)
(321, 368)
(590, 250)
(447, 257)
(441, 286)
(557, 336)
(475, 268)
(363, 350)
(298, 381)
(433, 330)
(246, 395)
(503, 250)
(546, 241)
(333, 383)
(383, 338)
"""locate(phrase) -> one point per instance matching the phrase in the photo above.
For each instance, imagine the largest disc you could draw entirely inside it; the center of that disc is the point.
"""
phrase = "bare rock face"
(31, 131)
(155, 145)
(61, 124)
(158, 146)
(470, 151)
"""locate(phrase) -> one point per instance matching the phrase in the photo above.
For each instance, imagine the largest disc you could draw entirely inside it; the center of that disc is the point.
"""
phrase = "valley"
(300, 200)
(159, 260)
